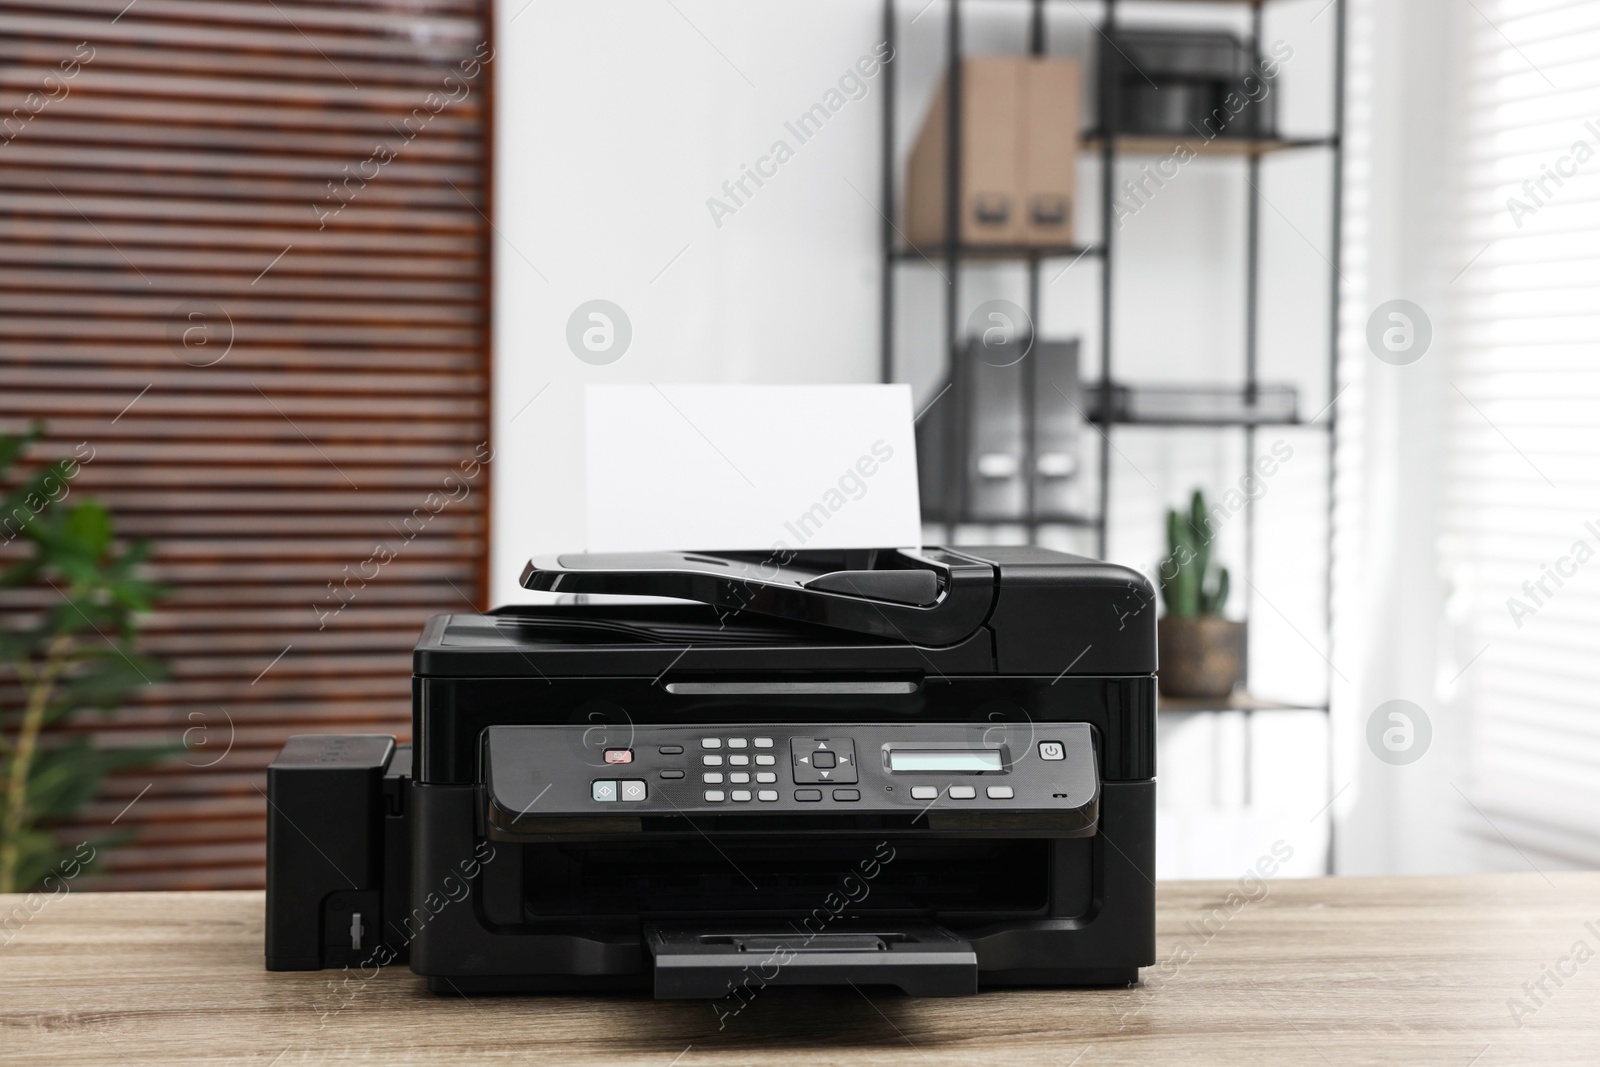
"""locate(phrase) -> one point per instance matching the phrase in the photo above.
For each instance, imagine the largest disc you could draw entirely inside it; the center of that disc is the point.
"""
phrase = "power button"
(1051, 750)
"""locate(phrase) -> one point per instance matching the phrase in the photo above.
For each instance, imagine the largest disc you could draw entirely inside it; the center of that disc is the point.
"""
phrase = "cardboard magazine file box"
(1052, 106)
(1019, 146)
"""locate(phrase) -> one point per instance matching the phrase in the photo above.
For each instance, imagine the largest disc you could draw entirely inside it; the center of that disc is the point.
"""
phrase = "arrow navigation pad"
(823, 759)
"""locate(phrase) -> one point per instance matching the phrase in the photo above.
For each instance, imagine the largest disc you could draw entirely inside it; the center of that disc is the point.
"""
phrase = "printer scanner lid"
(1015, 609)
(934, 597)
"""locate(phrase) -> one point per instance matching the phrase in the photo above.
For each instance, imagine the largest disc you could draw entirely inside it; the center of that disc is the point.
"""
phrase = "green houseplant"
(1202, 653)
(67, 644)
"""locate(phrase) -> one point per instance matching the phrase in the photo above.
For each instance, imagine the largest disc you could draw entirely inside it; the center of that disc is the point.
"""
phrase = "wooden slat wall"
(176, 170)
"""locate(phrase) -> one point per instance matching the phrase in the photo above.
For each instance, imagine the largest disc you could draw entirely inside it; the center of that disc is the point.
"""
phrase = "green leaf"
(46, 858)
(88, 529)
(36, 856)
(63, 779)
(23, 572)
(74, 613)
(30, 506)
(20, 642)
(108, 675)
(130, 591)
(68, 775)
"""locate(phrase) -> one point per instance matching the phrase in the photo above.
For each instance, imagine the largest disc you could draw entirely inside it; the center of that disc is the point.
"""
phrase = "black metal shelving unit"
(1109, 149)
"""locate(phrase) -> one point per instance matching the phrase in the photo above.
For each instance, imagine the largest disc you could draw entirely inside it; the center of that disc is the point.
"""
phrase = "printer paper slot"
(796, 688)
(921, 959)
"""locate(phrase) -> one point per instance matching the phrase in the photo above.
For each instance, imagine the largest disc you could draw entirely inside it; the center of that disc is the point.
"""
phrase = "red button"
(619, 755)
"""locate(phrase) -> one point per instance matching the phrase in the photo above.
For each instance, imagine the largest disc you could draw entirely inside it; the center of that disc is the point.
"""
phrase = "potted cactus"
(1202, 653)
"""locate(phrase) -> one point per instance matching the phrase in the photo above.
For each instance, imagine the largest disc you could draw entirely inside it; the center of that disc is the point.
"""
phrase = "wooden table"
(1327, 971)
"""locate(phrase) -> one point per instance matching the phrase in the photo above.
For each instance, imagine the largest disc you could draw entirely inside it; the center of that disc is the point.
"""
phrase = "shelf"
(1062, 519)
(1140, 144)
(1195, 405)
(1185, 3)
(937, 254)
(1146, 153)
(1211, 424)
(1238, 700)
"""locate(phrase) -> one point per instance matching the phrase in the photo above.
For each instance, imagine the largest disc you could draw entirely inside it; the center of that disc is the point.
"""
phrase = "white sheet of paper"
(750, 467)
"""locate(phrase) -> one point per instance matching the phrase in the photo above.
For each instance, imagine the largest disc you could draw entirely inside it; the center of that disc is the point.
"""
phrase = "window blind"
(1522, 514)
(244, 261)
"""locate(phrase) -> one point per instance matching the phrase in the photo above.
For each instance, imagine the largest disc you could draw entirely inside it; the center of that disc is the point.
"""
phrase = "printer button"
(739, 761)
(711, 761)
(671, 750)
(672, 774)
(766, 761)
(711, 742)
(847, 794)
(605, 792)
(1051, 750)
(763, 742)
(766, 777)
(741, 795)
(767, 796)
(712, 778)
(619, 755)
(739, 778)
(1000, 792)
(738, 742)
(633, 791)
(804, 795)
(924, 792)
(962, 792)
(823, 760)
(714, 796)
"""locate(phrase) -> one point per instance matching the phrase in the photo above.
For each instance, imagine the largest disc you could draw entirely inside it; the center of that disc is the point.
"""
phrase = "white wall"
(617, 121)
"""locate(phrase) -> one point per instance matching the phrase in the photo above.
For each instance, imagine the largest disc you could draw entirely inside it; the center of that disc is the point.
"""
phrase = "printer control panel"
(547, 780)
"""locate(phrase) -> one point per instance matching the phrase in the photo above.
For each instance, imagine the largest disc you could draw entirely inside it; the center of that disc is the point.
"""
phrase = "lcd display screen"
(968, 760)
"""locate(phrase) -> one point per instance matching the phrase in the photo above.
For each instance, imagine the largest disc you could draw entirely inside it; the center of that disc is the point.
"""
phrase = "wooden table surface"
(1324, 971)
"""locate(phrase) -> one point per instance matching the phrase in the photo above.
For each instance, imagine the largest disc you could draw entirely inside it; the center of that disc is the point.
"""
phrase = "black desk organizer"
(1178, 83)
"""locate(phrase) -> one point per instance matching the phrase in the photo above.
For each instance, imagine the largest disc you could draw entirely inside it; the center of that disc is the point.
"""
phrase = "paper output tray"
(923, 960)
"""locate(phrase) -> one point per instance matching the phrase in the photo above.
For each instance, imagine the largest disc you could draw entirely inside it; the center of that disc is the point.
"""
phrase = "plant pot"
(1200, 656)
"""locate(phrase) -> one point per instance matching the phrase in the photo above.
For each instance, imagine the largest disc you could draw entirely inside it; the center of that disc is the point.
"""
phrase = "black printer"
(927, 769)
